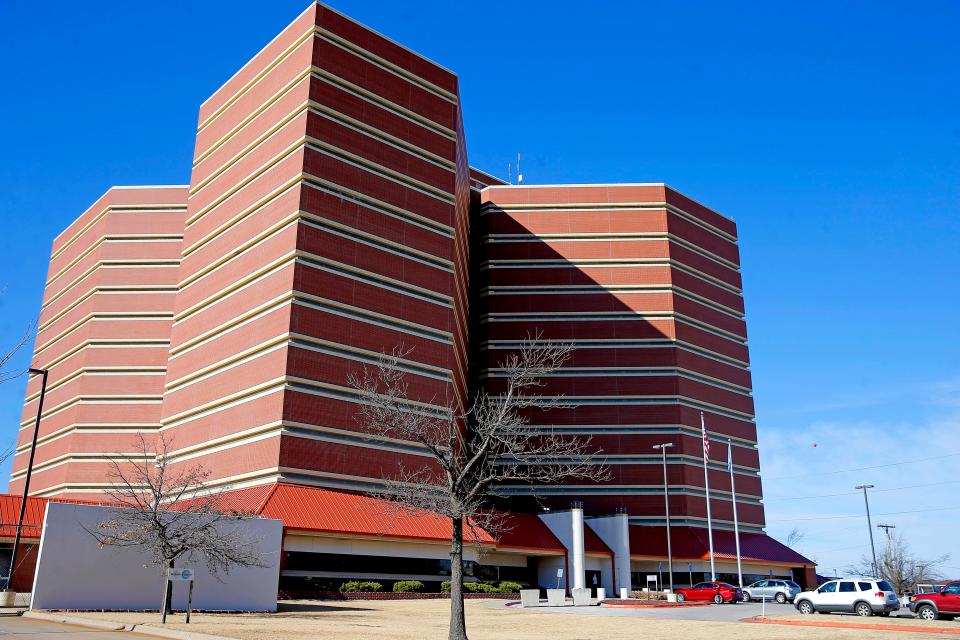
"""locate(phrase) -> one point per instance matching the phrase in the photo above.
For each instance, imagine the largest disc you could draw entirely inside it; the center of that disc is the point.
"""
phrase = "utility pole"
(886, 528)
(666, 507)
(873, 549)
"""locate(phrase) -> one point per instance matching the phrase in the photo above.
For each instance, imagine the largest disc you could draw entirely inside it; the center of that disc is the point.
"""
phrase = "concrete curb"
(176, 634)
(853, 625)
(160, 632)
(651, 604)
(80, 622)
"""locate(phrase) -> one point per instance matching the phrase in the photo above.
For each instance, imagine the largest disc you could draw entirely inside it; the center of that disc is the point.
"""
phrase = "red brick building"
(332, 215)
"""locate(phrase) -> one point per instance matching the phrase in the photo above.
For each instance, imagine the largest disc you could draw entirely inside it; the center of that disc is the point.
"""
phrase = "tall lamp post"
(26, 483)
(873, 549)
(666, 506)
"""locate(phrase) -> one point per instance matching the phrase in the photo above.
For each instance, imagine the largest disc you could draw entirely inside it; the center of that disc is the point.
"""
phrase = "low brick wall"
(388, 595)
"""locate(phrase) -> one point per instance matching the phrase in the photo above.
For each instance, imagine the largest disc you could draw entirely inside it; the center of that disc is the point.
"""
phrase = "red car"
(944, 604)
(718, 592)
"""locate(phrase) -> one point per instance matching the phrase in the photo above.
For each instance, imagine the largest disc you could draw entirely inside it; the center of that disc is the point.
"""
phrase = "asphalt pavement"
(13, 627)
(713, 612)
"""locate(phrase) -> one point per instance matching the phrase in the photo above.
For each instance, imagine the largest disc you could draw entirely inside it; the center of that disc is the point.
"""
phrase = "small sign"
(559, 573)
(660, 568)
(689, 566)
(652, 578)
(771, 573)
(180, 575)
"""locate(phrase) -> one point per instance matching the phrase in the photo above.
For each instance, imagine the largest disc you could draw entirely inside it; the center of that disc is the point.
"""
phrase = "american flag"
(706, 444)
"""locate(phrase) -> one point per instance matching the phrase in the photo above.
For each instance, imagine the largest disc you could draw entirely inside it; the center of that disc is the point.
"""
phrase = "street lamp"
(26, 484)
(666, 506)
(873, 549)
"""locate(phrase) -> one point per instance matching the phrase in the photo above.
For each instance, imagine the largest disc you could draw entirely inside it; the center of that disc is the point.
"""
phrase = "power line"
(824, 495)
(856, 546)
(860, 515)
(853, 493)
(876, 466)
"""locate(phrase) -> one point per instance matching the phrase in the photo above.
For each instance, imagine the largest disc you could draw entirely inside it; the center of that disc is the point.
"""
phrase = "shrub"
(407, 586)
(354, 586)
(484, 587)
(508, 586)
(319, 584)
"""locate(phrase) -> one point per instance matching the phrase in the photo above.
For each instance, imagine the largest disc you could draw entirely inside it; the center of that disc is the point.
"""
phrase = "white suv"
(863, 596)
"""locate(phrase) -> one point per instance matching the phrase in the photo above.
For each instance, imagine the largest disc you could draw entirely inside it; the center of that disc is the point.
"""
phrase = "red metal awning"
(525, 531)
(691, 543)
(314, 509)
(593, 544)
(32, 516)
(321, 510)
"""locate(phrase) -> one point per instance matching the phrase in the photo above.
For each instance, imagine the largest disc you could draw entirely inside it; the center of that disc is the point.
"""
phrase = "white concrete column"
(614, 530)
(576, 548)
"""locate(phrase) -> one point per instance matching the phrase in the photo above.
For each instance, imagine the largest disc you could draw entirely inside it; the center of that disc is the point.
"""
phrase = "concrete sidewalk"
(136, 630)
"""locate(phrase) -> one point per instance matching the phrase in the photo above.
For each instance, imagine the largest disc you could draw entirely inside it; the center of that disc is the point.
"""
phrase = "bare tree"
(473, 451)
(795, 537)
(170, 515)
(900, 566)
(5, 358)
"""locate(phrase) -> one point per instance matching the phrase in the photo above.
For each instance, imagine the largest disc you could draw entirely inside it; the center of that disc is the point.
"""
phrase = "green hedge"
(505, 586)
(406, 586)
(354, 586)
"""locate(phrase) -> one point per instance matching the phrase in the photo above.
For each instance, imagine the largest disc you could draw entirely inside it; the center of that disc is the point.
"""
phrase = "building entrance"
(592, 579)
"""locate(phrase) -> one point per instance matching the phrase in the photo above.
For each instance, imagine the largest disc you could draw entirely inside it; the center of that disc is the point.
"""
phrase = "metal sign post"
(651, 578)
(182, 574)
(660, 573)
(189, 601)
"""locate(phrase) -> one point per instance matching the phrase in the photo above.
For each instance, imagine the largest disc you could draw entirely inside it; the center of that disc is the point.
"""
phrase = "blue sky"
(828, 130)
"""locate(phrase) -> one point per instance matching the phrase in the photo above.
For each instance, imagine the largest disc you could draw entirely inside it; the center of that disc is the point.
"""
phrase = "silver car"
(779, 590)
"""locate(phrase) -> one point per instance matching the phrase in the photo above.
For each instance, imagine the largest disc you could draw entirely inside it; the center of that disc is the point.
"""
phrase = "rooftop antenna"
(519, 175)
(509, 173)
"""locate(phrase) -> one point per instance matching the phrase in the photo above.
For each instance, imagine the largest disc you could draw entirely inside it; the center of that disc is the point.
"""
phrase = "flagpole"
(736, 523)
(706, 485)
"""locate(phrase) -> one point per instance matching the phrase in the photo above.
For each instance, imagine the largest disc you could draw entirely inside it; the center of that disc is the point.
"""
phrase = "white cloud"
(830, 458)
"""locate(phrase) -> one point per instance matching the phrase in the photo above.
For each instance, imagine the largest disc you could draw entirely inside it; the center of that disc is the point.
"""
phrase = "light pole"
(26, 483)
(873, 549)
(666, 507)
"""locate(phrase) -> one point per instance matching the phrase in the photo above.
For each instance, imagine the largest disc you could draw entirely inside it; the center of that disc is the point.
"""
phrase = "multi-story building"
(331, 216)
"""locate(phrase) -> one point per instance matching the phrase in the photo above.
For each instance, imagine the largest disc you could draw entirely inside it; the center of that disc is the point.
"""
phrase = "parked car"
(943, 604)
(779, 590)
(718, 592)
(863, 596)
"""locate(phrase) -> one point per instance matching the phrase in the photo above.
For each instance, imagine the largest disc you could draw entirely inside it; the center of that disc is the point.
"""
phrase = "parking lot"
(710, 613)
(493, 620)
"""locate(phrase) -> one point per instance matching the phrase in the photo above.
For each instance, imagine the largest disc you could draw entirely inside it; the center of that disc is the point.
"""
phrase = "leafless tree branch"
(474, 451)
(5, 373)
(171, 515)
(898, 564)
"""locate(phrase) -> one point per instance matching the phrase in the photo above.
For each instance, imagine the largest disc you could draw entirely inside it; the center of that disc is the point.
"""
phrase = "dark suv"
(944, 604)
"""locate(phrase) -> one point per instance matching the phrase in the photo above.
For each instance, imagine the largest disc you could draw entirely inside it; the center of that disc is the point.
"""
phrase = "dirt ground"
(486, 620)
